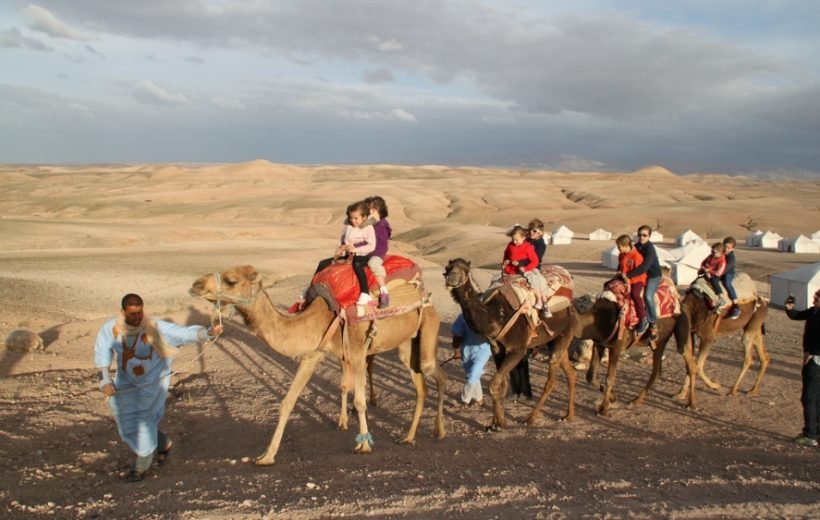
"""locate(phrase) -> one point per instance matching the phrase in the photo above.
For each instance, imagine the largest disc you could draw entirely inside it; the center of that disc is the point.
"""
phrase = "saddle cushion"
(743, 284)
(337, 283)
(666, 299)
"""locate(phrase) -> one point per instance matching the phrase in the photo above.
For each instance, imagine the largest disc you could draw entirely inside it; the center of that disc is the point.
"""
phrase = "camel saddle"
(517, 291)
(338, 286)
(743, 284)
(666, 299)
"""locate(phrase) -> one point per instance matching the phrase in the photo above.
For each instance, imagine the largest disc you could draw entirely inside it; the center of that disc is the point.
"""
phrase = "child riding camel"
(520, 258)
(629, 259)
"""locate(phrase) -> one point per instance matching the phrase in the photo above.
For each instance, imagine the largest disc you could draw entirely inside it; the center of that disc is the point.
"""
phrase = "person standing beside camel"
(144, 349)
(810, 396)
(474, 352)
(652, 267)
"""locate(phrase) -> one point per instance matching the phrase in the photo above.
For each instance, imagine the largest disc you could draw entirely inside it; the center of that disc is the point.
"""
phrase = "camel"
(491, 318)
(599, 325)
(706, 327)
(311, 334)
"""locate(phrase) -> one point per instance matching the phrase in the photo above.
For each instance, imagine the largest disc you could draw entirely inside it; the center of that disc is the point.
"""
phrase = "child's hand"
(506, 262)
(515, 263)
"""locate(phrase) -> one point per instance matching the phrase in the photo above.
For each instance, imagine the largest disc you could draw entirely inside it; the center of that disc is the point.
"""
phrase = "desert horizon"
(76, 238)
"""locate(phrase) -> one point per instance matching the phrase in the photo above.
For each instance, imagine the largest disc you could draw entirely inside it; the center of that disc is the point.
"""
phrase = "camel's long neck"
(478, 315)
(289, 335)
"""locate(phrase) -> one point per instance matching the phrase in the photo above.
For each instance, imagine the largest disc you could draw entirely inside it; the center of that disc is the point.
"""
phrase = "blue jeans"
(649, 297)
(727, 281)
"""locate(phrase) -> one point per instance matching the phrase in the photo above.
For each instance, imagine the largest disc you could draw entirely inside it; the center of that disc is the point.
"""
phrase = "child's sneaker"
(384, 300)
(364, 299)
(538, 306)
(734, 313)
(653, 332)
(546, 313)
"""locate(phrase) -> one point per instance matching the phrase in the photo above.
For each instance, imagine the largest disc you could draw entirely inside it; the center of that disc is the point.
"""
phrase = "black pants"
(520, 378)
(811, 400)
(359, 263)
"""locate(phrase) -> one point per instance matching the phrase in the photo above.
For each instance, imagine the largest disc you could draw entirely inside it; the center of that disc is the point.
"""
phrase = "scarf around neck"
(152, 335)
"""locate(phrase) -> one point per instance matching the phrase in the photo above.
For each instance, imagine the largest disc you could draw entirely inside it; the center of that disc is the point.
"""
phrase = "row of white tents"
(798, 244)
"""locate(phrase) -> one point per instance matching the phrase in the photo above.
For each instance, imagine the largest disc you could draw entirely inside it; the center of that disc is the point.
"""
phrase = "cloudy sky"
(572, 85)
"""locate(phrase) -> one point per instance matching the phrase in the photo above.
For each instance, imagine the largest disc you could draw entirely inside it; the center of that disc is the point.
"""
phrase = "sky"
(587, 85)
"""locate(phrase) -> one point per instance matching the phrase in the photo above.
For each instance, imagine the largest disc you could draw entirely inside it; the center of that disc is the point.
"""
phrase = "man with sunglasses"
(652, 267)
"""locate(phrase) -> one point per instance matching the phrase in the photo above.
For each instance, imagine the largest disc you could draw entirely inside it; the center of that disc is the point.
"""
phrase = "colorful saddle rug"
(337, 283)
(517, 291)
(666, 299)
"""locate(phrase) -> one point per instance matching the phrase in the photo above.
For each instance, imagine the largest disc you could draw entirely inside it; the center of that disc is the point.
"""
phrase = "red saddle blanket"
(666, 297)
(337, 283)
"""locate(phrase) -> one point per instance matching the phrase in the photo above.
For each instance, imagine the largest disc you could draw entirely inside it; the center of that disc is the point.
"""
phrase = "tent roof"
(807, 273)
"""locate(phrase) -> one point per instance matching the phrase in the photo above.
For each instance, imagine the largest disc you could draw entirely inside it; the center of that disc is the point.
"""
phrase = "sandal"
(162, 455)
(134, 476)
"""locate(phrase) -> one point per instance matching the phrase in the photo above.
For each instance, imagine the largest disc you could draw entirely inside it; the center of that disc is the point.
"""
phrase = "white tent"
(801, 282)
(600, 234)
(753, 240)
(686, 237)
(816, 236)
(685, 269)
(562, 235)
(656, 236)
(800, 244)
(609, 257)
(769, 240)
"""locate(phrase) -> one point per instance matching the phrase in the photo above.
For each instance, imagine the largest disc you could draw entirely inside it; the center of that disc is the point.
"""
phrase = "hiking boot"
(642, 327)
(734, 313)
(384, 300)
(805, 441)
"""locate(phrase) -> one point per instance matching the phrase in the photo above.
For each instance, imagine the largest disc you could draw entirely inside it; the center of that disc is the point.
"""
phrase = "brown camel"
(598, 325)
(309, 336)
(491, 317)
(706, 327)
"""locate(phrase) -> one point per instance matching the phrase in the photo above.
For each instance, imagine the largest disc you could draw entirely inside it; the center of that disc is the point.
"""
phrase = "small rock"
(311, 485)
(246, 459)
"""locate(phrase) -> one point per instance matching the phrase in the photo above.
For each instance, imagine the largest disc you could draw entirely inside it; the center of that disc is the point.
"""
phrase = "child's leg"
(376, 265)
(359, 262)
(636, 293)
(714, 281)
(728, 278)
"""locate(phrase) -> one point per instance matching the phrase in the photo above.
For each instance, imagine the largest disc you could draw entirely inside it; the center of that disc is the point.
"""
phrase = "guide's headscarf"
(148, 328)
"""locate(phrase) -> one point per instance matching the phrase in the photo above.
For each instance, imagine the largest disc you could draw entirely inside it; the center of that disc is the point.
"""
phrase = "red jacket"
(714, 266)
(629, 261)
(518, 253)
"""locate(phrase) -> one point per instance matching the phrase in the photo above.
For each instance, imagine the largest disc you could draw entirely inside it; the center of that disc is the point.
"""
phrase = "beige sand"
(75, 239)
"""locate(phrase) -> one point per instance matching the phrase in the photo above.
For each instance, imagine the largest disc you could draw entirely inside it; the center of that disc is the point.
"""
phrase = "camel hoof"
(681, 396)
(406, 441)
(264, 461)
(364, 443)
(439, 434)
(341, 427)
(493, 428)
(602, 413)
(753, 393)
(530, 421)
(567, 418)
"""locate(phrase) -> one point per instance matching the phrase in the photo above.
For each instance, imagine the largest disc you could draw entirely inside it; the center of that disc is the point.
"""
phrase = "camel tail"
(683, 329)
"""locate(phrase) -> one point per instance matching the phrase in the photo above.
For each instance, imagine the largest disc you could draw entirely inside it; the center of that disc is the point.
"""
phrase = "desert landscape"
(76, 238)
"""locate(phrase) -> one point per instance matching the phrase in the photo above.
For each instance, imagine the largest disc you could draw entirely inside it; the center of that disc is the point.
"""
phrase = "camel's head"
(457, 273)
(237, 285)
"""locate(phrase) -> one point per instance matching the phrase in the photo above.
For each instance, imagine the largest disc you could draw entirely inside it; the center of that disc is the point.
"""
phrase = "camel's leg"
(373, 399)
(595, 364)
(364, 441)
(703, 353)
(657, 361)
(347, 384)
(687, 391)
(498, 386)
(609, 386)
(752, 339)
(560, 357)
(427, 341)
(306, 368)
(405, 355)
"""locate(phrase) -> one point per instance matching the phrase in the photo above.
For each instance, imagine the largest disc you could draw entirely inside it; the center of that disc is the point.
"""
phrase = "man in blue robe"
(144, 350)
